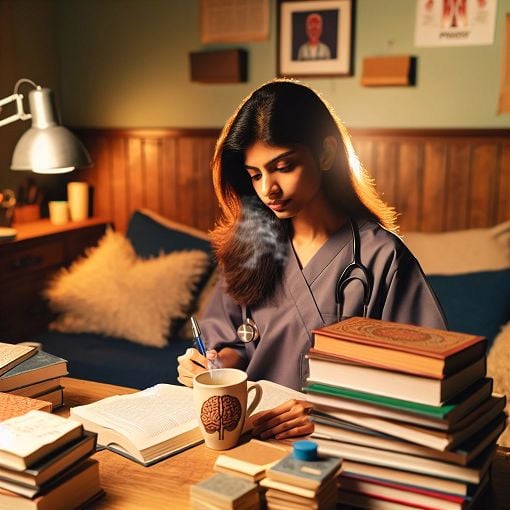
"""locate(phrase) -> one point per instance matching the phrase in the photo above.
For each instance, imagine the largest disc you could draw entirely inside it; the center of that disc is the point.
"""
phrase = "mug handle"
(256, 400)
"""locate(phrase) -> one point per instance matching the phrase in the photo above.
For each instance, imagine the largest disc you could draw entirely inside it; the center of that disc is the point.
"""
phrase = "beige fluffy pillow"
(498, 367)
(114, 293)
(462, 251)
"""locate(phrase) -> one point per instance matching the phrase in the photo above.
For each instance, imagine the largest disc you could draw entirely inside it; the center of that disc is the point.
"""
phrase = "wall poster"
(455, 22)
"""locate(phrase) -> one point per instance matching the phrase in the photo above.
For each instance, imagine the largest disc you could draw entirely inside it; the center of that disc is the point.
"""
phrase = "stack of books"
(222, 491)
(31, 373)
(299, 481)
(408, 408)
(44, 463)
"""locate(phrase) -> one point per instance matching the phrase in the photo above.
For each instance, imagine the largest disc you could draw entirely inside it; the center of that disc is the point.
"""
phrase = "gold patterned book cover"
(405, 347)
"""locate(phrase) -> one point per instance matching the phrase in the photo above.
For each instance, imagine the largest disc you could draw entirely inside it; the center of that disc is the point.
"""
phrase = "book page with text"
(146, 417)
(27, 433)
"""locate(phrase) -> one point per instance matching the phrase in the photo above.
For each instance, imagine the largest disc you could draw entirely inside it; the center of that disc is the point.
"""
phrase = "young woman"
(297, 209)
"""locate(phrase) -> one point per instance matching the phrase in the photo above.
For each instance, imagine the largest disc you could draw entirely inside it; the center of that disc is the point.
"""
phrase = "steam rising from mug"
(263, 231)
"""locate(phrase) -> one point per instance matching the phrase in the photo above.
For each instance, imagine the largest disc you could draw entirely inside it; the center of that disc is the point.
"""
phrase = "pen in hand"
(199, 344)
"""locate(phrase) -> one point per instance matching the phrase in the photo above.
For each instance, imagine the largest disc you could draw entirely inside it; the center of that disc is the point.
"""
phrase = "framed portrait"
(315, 38)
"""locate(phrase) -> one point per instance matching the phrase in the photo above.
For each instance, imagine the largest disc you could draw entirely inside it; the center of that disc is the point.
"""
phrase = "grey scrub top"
(305, 300)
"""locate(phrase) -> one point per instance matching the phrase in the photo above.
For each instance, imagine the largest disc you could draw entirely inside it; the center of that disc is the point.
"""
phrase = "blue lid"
(304, 450)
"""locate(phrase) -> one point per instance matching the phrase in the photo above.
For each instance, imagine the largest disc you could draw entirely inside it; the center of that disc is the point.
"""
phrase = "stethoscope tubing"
(248, 331)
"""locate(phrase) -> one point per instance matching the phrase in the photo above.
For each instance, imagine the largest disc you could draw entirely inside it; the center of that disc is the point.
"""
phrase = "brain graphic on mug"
(220, 413)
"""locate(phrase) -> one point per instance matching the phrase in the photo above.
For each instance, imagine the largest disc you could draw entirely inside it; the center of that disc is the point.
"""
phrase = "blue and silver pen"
(196, 335)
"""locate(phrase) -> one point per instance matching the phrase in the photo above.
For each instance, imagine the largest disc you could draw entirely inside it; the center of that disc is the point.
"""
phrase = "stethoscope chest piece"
(248, 331)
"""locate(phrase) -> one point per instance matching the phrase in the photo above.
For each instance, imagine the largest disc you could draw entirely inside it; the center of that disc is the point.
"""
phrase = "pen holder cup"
(221, 405)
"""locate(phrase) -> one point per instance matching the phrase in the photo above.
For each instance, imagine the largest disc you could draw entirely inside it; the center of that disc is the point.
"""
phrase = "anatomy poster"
(455, 22)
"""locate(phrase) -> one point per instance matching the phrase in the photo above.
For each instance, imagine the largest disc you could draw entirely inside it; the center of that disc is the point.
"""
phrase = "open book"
(157, 422)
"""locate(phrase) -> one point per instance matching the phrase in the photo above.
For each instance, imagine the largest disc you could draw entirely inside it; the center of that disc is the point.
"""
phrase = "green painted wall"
(28, 49)
(124, 63)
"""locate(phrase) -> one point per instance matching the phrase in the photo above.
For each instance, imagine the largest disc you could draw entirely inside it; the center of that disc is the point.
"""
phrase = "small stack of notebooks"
(408, 408)
(299, 481)
(32, 373)
(44, 463)
(222, 491)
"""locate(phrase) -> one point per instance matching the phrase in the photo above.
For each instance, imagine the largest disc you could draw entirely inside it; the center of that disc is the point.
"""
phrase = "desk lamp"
(47, 147)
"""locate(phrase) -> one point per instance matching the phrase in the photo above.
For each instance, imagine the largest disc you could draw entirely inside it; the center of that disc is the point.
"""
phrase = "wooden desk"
(166, 484)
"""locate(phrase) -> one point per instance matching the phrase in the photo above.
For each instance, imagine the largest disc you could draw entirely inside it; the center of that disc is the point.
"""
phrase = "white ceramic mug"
(58, 212)
(220, 397)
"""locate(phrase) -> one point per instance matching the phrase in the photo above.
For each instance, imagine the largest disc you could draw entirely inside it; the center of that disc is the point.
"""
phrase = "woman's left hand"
(289, 419)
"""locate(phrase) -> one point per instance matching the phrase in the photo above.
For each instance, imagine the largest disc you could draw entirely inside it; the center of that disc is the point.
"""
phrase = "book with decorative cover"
(402, 347)
(15, 405)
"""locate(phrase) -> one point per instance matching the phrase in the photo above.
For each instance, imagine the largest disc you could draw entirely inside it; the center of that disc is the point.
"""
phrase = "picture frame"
(315, 38)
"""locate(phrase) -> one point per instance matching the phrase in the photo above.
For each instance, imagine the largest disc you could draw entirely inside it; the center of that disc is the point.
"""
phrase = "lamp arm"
(20, 113)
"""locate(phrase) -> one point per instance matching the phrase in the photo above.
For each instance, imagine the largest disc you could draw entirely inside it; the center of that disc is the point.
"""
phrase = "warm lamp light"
(47, 147)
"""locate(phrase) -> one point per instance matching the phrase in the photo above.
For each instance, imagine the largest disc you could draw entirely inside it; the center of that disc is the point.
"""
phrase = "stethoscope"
(355, 271)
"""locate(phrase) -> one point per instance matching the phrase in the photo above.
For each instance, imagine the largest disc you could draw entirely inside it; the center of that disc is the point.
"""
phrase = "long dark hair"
(282, 113)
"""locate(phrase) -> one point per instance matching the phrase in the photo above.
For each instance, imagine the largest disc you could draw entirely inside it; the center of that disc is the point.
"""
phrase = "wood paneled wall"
(437, 180)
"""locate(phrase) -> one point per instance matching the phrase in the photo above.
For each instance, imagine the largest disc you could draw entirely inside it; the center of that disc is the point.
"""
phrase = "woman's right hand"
(192, 363)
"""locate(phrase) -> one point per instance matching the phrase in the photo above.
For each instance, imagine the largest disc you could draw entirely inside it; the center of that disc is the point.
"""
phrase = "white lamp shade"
(47, 147)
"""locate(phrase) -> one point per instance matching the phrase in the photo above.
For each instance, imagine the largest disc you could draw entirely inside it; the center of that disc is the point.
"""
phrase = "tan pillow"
(498, 363)
(462, 251)
(114, 293)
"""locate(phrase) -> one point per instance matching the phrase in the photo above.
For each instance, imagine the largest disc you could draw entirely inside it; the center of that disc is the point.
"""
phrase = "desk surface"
(166, 484)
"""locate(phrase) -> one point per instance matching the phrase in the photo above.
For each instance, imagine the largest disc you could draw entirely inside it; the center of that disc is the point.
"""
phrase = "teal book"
(308, 474)
(39, 367)
(370, 403)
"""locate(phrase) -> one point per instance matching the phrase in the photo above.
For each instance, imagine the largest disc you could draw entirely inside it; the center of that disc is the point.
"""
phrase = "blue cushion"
(150, 237)
(477, 303)
(115, 361)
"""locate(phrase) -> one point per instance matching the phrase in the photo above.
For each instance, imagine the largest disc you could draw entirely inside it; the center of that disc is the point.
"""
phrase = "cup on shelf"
(58, 212)
(78, 198)
(221, 403)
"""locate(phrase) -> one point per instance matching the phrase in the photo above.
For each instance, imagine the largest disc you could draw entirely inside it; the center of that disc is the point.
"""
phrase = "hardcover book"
(473, 473)
(305, 474)
(396, 493)
(14, 405)
(28, 438)
(330, 429)
(38, 388)
(53, 464)
(436, 439)
(13, 354)
(423, 390)
(443, 417)
(407, 478)
(407, 348)
(39, 367)
(77, 488)
(152, 424)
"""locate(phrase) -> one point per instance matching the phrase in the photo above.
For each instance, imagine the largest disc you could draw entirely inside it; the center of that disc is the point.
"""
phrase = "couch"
(93, 350)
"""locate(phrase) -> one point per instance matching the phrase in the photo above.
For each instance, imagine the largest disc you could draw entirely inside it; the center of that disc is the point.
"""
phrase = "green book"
(451, 411)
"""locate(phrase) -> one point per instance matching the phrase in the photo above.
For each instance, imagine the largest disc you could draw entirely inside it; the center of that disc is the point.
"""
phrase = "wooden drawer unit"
(27, 263)
(32, 256)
